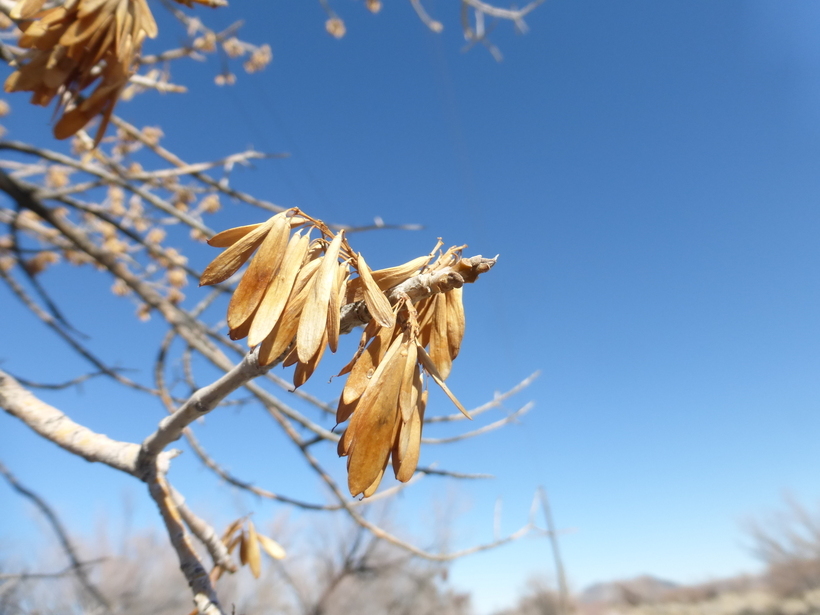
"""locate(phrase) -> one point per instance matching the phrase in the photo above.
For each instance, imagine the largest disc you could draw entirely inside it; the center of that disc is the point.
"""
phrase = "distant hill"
(641, 589)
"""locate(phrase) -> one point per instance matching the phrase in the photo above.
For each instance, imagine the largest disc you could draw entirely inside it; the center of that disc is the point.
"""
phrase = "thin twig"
(65, 542)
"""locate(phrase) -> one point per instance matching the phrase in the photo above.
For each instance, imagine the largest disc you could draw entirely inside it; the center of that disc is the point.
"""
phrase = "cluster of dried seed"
(251, 544)
(67, 42)
(292, 291)
(75, 44)
(288, 302)
(385, 394)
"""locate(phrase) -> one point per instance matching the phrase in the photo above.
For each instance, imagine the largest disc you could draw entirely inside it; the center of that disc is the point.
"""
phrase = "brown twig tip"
(470, 268)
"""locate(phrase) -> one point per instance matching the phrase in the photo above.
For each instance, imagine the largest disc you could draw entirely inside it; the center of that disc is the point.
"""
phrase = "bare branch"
(57, 427)
(135, 133)
(435, 26)
(204, 595)
(200, 403)
(25, 576)
(515, 15)
(65, 542)
(110, 178)
(496, 402)
(204, 532)
(482, 430)
(62, 385)
(52, 324)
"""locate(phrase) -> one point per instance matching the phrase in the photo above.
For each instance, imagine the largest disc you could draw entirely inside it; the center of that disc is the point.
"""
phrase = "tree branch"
(65, 542)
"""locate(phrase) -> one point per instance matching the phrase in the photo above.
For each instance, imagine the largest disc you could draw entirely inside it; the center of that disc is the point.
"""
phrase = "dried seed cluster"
(288, 302)
(67, 42)
(75, 44)
(249, 542)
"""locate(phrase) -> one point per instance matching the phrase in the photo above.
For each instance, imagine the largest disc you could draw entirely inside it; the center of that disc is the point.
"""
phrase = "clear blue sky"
(649, 173)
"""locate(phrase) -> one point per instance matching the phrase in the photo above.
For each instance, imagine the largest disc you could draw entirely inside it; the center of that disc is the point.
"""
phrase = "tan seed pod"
(455, 321)
(291, 358)
(255, 280)
(26, 9)
(243, 548)
(426, 309)
(216, 574)
(227, 238)
(406, 401)
(241, 331)
(283, 333)
(373, 426)
(278, 341)
(377, 303)
(410, 454)
(271, 547)
(253, 555)
(310, 267)
(334, 307)
(431, 369)
(277, 293)
(362, 374)
(439, 346)
(403, 437)
(313, 322)
(387, 278)
(399, 447)
(375, 484)
(229, 262)
(304, 371)
(343, 446)
(230, 530)
(369, 331)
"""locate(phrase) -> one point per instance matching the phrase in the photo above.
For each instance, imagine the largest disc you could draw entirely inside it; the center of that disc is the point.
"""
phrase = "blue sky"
(648, 173)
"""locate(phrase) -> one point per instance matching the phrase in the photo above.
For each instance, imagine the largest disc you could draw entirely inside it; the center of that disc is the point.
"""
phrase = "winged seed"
(227, 263)
(376, 302)
(276, 296)
(313, 322)
(255, 280)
